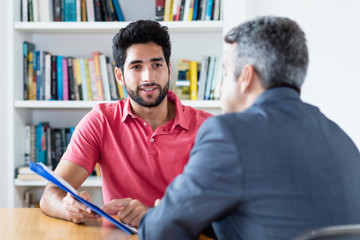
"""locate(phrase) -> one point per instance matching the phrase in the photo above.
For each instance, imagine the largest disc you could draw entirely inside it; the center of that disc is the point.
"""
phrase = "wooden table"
(30, 223)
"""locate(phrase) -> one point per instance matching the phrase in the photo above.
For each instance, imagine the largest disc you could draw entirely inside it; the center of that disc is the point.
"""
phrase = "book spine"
(159, 10)
(104, 77)
(114, 94)
(69, 10)
(48, 76)
(99, 82)
(90, 14)
(79, 80)
(193, 80)
(59, 78)
(92, 79)
(37, 74)
(105, 10)
(119, 13)
(98, 11)
(71, 84)
(30, 75)
(111, 10)
(53, 78)
(167, 10)
(65, 78)
(57, 10)
(83, 80)
(88, 80)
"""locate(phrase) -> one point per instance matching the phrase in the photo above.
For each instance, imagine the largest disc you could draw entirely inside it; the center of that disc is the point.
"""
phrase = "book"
(186, 11)
(24, 11)
(79, 80)
(47, 76)
(78, 10)
(65, 79)
(69, 10)
(53, 89)
(98, 11)
(99, 81)
(83, 10)
(71, 80)
(210, 76)
(27, 48)
(203, 77)
(105, 10)
(182, 84)
(31, 83)
(209, 8)
(90, 13)
(167, 10)
(59, 77)
(119, 13)
(56, 10)
(45, 172)
(81, 71)
(111, 10)
(27, 148)
(105, 76)
(193, 76)
(87, 79)
(92, 79)
(114, 93)
(159, 10)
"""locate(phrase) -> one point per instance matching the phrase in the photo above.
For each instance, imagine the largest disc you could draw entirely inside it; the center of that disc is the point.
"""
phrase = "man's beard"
(134, 95)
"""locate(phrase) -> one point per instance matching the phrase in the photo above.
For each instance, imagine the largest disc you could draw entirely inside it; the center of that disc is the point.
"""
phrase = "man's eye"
(157, 65)
(135, 67)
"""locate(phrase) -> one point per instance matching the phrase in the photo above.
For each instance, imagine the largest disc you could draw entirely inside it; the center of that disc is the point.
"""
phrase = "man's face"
(146, 75)
(229, 90)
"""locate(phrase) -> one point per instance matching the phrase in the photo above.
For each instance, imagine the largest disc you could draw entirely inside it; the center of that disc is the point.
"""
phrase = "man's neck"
(155, 116)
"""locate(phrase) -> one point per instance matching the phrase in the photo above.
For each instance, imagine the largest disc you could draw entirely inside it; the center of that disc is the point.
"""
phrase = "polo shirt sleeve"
(85, 146)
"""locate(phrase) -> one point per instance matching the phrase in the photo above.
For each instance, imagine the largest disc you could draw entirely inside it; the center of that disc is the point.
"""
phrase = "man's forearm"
(51, 202)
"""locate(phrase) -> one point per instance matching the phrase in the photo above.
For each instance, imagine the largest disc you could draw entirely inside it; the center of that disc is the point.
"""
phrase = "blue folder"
(45, 172)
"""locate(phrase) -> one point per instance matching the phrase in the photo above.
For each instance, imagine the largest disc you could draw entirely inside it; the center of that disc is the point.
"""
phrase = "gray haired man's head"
(275, 47)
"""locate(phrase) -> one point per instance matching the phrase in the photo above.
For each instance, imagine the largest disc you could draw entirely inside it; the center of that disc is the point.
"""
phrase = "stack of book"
(55, 77)
(188, 10)
(71, 10)
(198, 80)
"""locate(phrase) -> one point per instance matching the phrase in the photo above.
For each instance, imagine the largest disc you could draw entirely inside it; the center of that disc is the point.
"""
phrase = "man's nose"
(146, 75)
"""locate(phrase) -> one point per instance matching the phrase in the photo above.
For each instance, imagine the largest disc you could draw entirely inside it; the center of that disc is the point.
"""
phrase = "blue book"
(59, 78)
(70, 10)
(37, 73)
(45, 172)
(209, 10)
(39, 143)
(119, 14)
(195, 11)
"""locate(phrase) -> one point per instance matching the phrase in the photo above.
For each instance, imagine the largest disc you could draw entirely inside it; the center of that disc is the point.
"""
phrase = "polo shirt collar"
(180, 118)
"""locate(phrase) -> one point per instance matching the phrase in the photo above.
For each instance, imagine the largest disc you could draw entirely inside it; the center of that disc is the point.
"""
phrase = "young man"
(140, 143)
(273, 167)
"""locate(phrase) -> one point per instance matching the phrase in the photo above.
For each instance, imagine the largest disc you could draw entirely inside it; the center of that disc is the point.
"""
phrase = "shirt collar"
(180, 118)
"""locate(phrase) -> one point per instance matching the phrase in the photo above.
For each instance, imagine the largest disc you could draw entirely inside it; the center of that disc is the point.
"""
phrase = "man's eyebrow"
(159, 59)
(135, 62)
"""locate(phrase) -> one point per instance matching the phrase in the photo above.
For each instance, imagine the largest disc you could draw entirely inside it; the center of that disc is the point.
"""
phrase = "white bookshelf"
(190, 40)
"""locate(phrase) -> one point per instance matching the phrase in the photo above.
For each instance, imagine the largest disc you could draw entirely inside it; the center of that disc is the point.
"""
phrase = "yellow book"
(167, 10)
(31, 82)
(193, 79)
(99, 85)
(78, 77)
(88, 80)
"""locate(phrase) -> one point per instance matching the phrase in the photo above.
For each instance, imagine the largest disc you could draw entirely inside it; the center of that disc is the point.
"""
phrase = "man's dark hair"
(141, 31)
(275, 47)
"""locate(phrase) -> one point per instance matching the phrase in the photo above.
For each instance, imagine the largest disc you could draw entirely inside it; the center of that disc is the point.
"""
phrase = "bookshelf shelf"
(90, 104)
(111, 27)
(90, 182)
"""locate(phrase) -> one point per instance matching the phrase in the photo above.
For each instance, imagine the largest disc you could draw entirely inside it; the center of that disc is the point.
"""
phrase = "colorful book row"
(55, 77)
(71, 10)
(46, 144)
(198, 80)
(188, 10)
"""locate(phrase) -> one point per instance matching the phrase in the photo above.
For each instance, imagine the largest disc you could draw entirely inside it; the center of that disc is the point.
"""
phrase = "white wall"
(333, 34)
(3, 105)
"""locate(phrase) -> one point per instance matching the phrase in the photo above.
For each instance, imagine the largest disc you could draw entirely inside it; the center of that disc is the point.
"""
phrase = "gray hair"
(275, 47)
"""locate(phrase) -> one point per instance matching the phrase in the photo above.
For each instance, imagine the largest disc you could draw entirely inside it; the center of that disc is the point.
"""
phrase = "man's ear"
(119, 76)
(246, 78)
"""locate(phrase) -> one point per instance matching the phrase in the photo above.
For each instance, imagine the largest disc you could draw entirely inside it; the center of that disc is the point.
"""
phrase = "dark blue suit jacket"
(274, 171)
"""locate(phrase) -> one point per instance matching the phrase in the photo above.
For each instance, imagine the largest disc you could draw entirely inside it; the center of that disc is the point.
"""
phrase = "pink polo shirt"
(135, 161)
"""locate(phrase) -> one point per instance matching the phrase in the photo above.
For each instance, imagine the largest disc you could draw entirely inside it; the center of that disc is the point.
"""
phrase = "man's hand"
(76, 211)
(130, 211)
